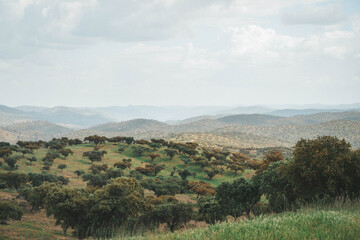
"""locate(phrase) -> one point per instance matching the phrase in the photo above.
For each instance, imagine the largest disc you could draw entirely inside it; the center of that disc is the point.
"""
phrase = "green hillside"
(341, 223)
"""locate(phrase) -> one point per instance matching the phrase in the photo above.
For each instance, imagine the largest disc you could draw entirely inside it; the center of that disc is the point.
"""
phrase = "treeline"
(321, 170)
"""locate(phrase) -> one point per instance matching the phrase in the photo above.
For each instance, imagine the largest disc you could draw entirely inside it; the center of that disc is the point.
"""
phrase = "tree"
(95, 139)
(95, 180)
(170, 153)
(11, 162)
(164, 185)
(146, 170)
(62, 167)
(174, 215)
(271, 157)
(13, 179)
(79, 172)
(31, 159)
(5, 152)
(276, 186)
(201, 188)
(237, 197)
(153, 156)
(323, 167)
(184, 174)
(97, 213)
(211, 172)
(65, 152)
(210, 210)
(185, 159)
(122, 165)
(25, 151)
(139, 150)
(36, 179)
(9, 210)
(94, 156)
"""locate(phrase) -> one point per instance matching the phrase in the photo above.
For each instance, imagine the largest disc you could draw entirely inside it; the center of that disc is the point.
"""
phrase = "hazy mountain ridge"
(245, 130)
(35, 130)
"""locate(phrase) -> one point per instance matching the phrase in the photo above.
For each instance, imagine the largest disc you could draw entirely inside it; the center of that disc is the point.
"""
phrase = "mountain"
(349, 130)
(319, 118)
(132, 126)
(244, 110)
(77, 118)
(36, 130)
(294, 112)
(7, 136)
(249, 119)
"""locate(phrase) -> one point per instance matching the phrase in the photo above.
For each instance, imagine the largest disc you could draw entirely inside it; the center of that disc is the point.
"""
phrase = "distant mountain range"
(209, 125)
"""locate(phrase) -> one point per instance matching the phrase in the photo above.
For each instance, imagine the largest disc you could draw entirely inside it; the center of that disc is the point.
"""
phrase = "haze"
(172, 52)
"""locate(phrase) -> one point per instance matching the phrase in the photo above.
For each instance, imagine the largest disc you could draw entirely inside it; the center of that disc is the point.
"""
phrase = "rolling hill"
(35, 130)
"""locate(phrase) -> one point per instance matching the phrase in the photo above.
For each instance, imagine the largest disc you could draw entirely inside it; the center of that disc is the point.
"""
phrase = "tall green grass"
(339, 221)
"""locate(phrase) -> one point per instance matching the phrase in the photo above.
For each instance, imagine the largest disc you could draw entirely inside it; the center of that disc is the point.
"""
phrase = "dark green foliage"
(114, 173)
(5, 152)
(79, 172)
(237, 197)
(324, 167)
(164, 185)
(184, 174)
(11, 161)
(4, 144)
(90, 212)
(140, 150)
(173, 214)
(50, 156)
(95, 169)
(185, 159)
(36, 179)
(122, 165)
(95, 139)
(210, 210)
(65, 152)
(25, 151)
(211, 172)
(62, 166)
(121, 149)
(277, 187)
(13, 179)
(154, 145)
(75, 141)
(101, 179)
(170, 153)
(94, 156)
(135, 174)
(31, 159)
(10, 210)
(95, 180)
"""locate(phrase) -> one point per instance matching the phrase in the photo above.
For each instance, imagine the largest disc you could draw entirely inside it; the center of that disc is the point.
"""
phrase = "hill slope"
(36, 130)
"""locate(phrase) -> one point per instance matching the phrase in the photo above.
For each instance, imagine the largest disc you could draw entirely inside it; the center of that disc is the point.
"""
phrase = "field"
(338, 221)
(34, 225)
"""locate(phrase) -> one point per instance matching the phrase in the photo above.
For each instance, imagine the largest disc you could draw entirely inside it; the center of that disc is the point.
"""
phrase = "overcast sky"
(179, 52)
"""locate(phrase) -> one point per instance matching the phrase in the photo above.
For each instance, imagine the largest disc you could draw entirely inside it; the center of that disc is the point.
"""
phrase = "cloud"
(313, 14)
(256, 45)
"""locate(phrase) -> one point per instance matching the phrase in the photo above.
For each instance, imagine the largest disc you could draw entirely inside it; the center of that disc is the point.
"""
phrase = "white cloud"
(313, 14)
(256, 45)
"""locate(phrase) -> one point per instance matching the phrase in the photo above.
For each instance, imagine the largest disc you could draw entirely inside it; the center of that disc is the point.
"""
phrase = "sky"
(179, 52)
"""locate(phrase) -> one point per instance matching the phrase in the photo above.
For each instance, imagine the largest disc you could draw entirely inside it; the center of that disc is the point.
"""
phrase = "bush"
(9, 210)
(13, 179)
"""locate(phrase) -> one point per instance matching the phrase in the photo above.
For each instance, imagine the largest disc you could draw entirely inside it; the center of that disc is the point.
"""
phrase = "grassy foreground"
(306, 224)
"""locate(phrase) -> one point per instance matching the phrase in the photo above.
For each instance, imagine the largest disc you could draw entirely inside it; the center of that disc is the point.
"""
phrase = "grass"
(315, 222)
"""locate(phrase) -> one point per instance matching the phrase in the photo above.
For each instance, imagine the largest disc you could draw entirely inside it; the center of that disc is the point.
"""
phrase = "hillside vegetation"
(110, 187)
